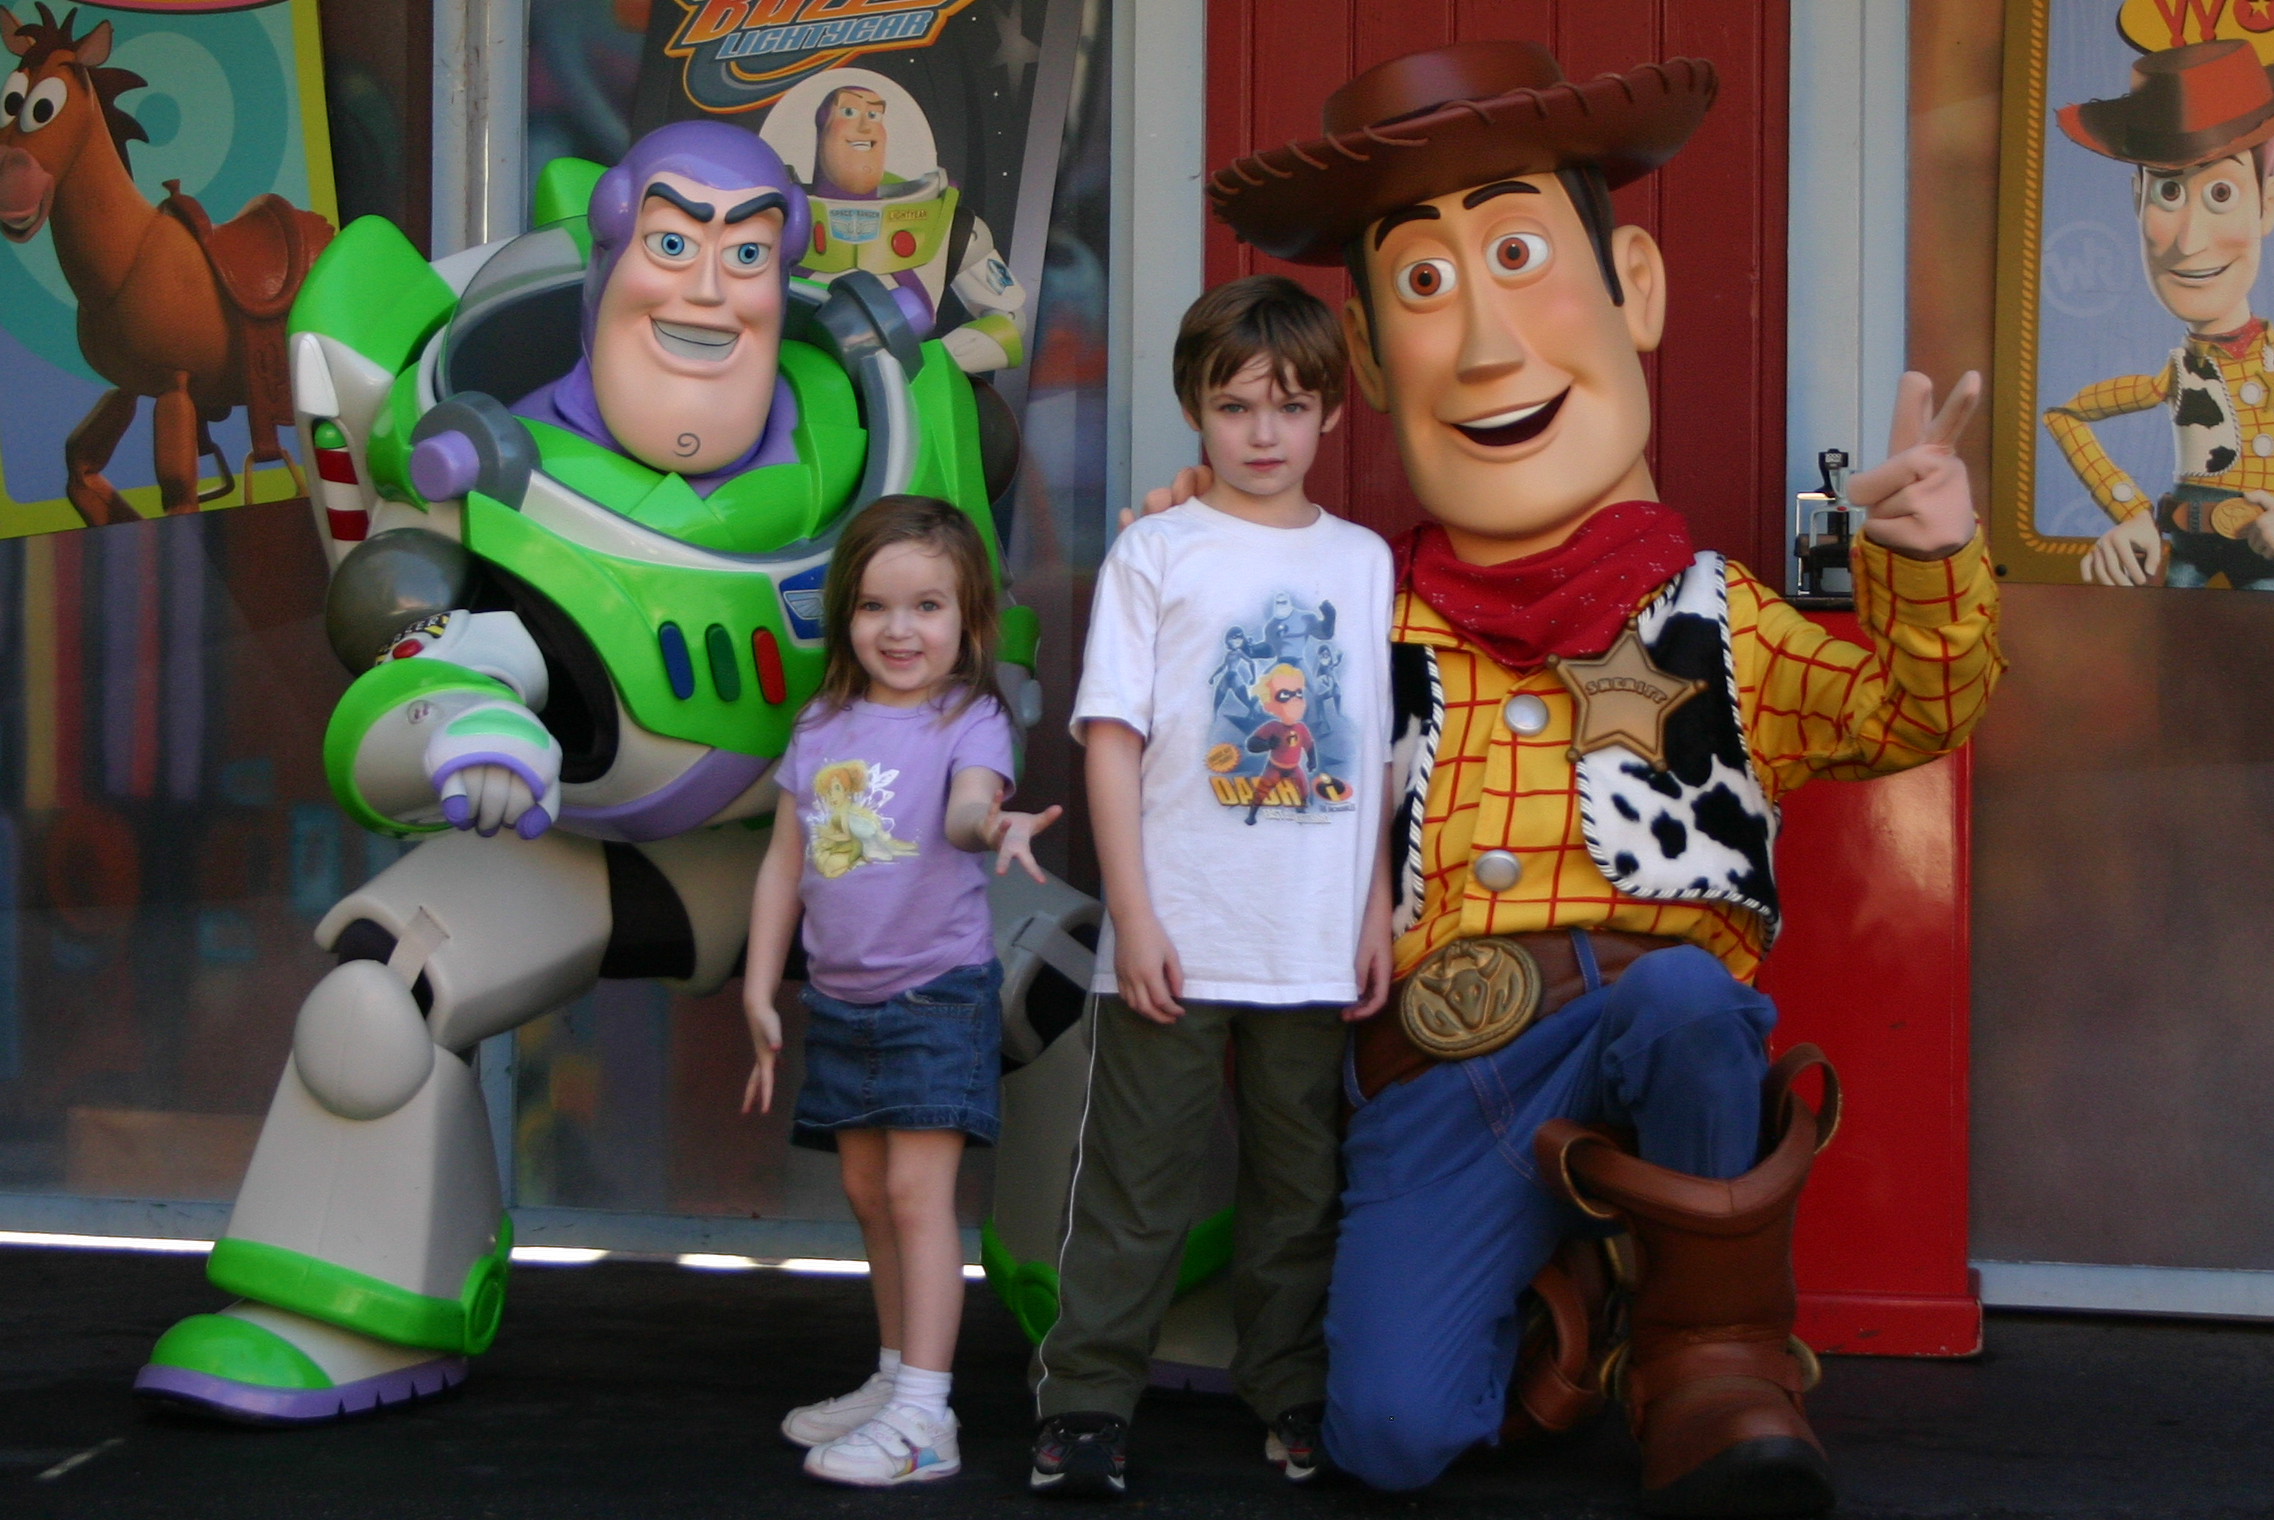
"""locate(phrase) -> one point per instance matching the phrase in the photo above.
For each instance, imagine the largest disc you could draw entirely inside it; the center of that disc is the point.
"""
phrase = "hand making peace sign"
(1918, 501)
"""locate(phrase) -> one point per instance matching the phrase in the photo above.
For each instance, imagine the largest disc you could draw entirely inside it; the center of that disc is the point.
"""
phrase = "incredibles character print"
(1272, 744)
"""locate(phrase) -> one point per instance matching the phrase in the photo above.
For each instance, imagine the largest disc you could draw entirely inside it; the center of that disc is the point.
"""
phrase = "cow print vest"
(1699, 830)
(2205, 438)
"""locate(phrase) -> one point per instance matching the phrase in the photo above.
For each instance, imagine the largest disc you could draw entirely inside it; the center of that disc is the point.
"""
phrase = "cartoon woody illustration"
(1595, 722)
(2194, 128)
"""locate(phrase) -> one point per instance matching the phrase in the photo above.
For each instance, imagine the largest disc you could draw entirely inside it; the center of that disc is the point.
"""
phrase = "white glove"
(2128, 554)
(1918, 502)
(493, 765)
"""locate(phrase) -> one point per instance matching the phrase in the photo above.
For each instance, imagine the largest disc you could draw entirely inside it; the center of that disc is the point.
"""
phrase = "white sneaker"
(815, 1424)
(900, 1445)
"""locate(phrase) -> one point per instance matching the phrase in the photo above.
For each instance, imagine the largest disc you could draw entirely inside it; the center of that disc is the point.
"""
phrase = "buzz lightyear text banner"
(2135, 406)
(150, 148)
(927, 133)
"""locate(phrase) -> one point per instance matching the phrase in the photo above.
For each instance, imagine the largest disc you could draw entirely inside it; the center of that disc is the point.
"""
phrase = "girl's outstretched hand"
(1011, 836)
(766, 1037)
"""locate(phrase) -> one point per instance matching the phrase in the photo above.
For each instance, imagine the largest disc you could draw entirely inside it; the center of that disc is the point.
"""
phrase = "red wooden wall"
(1718, 210)
(1873, 961)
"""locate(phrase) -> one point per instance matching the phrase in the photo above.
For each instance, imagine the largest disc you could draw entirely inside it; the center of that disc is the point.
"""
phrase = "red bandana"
(2236, 345)
(1571, 600)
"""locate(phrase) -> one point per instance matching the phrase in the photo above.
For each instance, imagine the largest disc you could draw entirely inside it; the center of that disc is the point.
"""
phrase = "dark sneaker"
(1084, 1454)
(1293, 1445)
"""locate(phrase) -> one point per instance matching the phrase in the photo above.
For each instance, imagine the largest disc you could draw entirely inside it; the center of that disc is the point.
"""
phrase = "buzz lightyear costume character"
(915, 234)
(583, 633)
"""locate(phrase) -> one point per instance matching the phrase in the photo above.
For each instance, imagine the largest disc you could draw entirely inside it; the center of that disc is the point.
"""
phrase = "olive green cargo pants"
(1150, 1108)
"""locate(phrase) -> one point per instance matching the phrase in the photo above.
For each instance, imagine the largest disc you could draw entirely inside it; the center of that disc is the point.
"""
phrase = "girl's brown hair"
(942, 529)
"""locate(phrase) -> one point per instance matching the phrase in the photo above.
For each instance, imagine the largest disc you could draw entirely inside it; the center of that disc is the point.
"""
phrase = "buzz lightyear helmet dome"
(707, 152)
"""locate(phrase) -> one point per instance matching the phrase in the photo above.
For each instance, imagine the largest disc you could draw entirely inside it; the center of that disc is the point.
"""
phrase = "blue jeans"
(926, 1058)
(1445, 1221)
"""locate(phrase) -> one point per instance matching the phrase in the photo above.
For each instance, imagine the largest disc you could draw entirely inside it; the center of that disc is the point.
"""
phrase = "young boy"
(1246, 883)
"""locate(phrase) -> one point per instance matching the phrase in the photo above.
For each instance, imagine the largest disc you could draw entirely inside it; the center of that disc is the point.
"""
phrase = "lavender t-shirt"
(889, 903)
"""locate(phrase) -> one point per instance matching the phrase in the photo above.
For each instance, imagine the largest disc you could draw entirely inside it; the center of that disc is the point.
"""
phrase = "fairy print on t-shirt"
(1278, 747)
(844, 828)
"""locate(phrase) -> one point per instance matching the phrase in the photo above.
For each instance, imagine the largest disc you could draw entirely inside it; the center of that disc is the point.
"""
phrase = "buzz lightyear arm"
(984, 283)
(444, 732)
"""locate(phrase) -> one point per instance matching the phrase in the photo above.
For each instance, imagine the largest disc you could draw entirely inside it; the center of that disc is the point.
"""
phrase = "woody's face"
(2200, 232)
(1514, 383)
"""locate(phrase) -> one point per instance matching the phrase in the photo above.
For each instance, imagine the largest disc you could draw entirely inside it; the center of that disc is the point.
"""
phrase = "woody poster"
(2135, 442)
(165, 181)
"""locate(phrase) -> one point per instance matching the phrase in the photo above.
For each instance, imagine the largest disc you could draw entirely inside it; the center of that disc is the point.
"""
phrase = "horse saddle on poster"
(261, 255)
(259, 259)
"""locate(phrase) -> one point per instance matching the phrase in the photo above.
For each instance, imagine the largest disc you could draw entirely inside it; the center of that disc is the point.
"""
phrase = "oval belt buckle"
(1470, 998)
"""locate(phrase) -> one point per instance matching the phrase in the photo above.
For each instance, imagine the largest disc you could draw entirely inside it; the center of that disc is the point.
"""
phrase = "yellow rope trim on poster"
(2020, 550)
(2015, 542)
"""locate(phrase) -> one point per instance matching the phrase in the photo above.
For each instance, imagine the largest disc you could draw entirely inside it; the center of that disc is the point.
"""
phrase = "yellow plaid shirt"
(1813, 705)
(2250, 391)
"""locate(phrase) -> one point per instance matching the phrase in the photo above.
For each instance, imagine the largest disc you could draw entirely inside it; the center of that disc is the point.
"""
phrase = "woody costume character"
(1593, 738)
(2189, 108)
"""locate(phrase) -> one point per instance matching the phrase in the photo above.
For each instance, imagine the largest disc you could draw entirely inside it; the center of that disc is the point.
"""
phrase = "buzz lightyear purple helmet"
(708, 152)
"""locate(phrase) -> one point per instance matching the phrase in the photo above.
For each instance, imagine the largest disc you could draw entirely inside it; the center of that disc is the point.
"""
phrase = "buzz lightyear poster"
(165, 182)
(911, 126)
(1279, 744)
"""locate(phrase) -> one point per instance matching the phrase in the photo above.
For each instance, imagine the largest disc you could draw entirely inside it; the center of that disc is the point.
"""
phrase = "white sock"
(888, 1361)
(923, 1390)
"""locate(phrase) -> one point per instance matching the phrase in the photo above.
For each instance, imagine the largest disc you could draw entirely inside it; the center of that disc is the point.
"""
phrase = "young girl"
(892, 783)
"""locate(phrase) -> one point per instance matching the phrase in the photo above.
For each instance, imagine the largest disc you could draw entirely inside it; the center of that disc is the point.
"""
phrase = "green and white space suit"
(654, 645)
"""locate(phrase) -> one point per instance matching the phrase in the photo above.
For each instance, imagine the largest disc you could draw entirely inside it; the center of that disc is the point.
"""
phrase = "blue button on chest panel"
(678, 669)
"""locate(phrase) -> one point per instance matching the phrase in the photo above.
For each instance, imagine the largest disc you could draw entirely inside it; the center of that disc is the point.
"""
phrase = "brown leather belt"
(2228, 517)
(1384, 1054)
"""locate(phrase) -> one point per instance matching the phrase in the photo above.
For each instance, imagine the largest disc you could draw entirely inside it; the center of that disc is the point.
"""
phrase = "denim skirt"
(927, 1058)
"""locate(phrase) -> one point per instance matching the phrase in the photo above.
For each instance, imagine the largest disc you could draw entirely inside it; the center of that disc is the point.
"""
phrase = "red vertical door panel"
(1872, 964)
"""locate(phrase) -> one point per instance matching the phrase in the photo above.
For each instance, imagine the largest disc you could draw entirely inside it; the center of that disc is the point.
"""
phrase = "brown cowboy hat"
(1431, 123)
(2188, 105)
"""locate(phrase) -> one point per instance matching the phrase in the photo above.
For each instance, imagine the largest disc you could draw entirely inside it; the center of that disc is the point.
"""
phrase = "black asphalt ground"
(637, 1389)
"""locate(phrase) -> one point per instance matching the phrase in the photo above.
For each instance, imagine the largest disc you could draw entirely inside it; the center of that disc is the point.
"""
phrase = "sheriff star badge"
(1621, 697)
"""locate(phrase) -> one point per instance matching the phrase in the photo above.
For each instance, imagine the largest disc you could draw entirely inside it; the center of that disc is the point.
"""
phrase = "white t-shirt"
(1251, 659)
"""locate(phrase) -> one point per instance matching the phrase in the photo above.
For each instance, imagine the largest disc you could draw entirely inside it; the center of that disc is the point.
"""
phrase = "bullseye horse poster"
(165, 182)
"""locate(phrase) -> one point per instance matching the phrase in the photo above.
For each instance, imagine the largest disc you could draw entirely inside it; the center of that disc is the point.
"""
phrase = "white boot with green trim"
(369, 1242)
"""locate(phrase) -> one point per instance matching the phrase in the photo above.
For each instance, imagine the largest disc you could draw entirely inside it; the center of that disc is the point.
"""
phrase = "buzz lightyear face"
(686, 341)
(850, 156)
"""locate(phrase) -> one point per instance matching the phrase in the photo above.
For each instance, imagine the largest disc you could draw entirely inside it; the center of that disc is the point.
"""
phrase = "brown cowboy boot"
(1557, 1386)
(1713, 1375)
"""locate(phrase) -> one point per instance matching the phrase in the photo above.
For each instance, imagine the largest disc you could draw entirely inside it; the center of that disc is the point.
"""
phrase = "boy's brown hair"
(1266, 315)
(942, 529)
